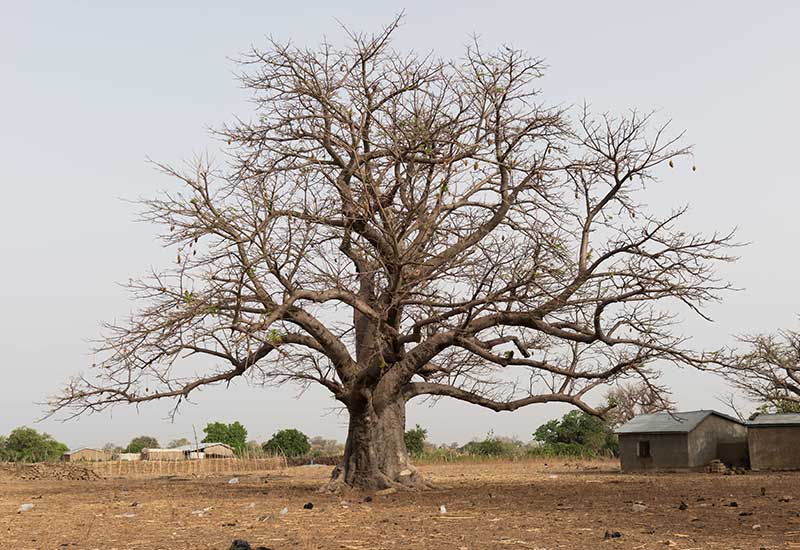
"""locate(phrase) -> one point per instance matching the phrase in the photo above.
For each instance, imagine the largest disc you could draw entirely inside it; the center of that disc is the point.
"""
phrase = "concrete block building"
(681, 441)
(86, 454)
(774, 442)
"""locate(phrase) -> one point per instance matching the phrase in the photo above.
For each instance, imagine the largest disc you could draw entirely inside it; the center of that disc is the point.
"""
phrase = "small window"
(643, 449)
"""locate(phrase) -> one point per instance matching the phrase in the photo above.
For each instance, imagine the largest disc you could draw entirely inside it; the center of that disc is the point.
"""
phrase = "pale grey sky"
(90, 89)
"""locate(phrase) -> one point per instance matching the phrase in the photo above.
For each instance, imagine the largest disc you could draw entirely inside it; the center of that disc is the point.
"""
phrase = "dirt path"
(489, 505)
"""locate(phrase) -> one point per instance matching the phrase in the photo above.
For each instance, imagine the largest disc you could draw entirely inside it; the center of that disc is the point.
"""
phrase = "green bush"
(415, 440)
(289, 442)
(577, 434)
(27, 445)
(492, 446)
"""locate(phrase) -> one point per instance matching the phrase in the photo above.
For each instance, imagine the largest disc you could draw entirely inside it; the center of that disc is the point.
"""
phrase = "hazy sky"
(90, 89)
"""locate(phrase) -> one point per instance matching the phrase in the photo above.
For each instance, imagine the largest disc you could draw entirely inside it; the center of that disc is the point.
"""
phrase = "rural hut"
(215, 450)
(681, 441)
(86, 454)
(774, 442)
(129, 457)
(163, 454)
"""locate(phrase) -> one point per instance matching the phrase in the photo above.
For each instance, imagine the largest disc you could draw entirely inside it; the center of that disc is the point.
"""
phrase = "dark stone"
(368, 499)
(308, 506)
(683, 506)
(240, 544)
(612, 535)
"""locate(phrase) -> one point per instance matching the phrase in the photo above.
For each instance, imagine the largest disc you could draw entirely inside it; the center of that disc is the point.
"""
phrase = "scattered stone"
(284, 511)
(732, 504)
(308, 506)
(24, 508)
(58, 471)
(683, 506)
(745, 513)
(785, 499)
(612, 535)
(763, 491)
(229, 524)
(638, 507)
(233, 481)
(368, 499)
(384, 492)
(240, 544)
(756, 527)
(134, 504)
(442, 509)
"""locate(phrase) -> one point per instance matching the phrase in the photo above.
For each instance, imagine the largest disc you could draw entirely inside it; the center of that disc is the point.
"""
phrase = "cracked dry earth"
(513, 505)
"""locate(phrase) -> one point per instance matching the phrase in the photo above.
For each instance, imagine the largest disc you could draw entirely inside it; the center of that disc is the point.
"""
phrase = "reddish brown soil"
(489, 505)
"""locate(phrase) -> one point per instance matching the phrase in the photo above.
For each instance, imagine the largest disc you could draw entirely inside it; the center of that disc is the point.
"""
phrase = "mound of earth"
(47, 471)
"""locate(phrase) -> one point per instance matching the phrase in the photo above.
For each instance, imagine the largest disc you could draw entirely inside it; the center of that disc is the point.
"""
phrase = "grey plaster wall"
(667, 451)
(774, 448)
(705, 439)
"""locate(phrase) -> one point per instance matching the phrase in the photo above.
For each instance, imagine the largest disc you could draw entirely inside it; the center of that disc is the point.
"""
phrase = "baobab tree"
(391, 225)
(643, 397)
(768, 370)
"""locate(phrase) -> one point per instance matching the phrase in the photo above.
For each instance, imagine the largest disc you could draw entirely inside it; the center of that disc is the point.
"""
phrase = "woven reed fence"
(208, 466)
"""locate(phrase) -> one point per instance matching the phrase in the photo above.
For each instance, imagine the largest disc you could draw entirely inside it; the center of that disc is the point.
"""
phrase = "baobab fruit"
(694, 168)
(671, 164)
(475, 166)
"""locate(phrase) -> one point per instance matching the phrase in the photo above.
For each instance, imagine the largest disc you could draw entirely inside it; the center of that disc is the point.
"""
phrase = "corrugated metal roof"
(191, 448)
(765, 420)
(665, 422)
(73, 451)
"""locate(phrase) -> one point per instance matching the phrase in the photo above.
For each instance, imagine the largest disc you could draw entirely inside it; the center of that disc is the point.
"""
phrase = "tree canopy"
(768, 370)
(25, 444)
(234, 434)
(393, 225)
(142, 442)
(288, 442)
(415, 440)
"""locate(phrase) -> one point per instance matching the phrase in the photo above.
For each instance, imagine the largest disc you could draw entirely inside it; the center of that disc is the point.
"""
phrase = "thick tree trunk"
(375, 455)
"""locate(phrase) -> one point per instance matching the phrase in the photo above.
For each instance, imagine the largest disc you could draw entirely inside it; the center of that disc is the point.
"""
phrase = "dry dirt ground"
(506, 505)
